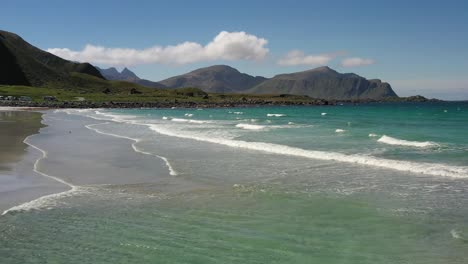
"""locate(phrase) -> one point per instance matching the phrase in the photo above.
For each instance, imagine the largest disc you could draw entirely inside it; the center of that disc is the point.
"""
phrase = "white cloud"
(225, 46)
(297, 57)
(355, 62)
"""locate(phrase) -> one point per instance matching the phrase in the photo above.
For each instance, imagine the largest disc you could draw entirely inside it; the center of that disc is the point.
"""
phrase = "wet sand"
(15, 126)
(18, 181)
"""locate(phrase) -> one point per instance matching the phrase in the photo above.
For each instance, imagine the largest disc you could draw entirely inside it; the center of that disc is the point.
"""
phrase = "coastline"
(44, 105)
(19, 182)
(15, 127)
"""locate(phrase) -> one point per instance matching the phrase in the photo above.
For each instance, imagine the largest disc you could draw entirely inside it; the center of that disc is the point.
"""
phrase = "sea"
(369, 183)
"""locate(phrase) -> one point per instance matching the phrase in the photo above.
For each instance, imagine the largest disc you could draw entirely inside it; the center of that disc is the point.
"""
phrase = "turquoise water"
(384, 183)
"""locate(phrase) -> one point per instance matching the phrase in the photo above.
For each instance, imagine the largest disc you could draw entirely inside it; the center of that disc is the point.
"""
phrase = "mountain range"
(128, 76)
(23, 64)
(322, 82)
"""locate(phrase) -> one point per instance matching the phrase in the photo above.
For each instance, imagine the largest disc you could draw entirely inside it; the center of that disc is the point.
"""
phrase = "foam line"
(400, 165)
(172, 172)
(47, 199)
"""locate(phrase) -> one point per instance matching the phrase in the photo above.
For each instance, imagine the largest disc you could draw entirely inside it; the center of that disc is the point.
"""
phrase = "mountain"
(129, 76)
(114, 75)
(325, 83)
(215, 79)
(24, 64)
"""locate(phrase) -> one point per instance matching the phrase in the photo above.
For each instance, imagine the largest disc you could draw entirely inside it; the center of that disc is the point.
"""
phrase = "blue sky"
(419, 47)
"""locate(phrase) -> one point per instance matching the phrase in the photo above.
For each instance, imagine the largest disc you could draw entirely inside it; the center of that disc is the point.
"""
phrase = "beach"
(19, 182)
(251, 185)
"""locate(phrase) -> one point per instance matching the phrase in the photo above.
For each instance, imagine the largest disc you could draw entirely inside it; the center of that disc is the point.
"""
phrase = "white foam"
(340, 130)
(401, 142)
(291, 123)
(46, 201)
(172, 172)
(323, 114)
(456, 235)
(434, 169)
(373, 135)
(407, 166)
(165, 118)
(276, 115)
(183, 120)
(250, 126)
(189, 115)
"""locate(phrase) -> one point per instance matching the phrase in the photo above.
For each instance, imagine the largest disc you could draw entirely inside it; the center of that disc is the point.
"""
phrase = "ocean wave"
(434, 169)
(373, 135)
(183, 120)
(250, 126)
(189, 115)
(340, 130)
(395, 141)
(276, 115)
(323, 114)
(172, 172)
(45, 201)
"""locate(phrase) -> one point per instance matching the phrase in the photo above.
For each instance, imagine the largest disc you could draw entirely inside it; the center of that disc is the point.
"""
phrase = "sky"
(419, 47)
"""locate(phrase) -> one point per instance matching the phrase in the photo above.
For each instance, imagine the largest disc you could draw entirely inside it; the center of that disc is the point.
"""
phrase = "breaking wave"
(395, 141)
(434, 169)
(45, 201)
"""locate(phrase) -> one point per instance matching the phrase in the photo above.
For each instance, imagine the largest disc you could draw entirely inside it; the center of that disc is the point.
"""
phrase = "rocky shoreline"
(111, 104)
(201, 104)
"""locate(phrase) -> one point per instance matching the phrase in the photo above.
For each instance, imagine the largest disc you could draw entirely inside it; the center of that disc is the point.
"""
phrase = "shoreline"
(16, 126)
(20, 182)
(43, 105)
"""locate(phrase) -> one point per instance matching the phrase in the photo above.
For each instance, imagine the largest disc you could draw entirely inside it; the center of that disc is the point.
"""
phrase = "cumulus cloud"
(225, 46)
(356, 62)
(297, 57)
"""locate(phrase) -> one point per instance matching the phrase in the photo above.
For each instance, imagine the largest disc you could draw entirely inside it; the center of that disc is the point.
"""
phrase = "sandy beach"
(18, 182)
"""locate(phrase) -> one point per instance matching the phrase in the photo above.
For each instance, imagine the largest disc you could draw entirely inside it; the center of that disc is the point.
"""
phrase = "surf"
(401, 142)
(171, 169)
(433, 169)
(46, 200)
(250, 126)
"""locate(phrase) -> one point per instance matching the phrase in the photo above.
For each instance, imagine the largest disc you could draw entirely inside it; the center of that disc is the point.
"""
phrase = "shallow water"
(284, 187)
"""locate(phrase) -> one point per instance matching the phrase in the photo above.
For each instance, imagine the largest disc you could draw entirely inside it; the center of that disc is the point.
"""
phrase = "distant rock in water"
(215, 79)
(325, 83)
(23, 64)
